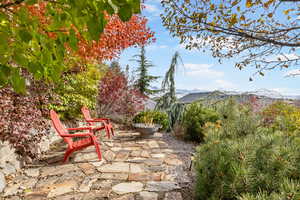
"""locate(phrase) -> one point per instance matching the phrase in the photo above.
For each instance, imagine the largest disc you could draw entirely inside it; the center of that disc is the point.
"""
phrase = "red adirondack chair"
(91, 122)
(88, 139)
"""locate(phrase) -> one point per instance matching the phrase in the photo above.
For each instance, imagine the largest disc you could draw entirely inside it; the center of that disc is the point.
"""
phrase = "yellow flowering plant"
(282, 116)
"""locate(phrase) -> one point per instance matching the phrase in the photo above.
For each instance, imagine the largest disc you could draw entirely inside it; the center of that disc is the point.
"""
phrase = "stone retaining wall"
(10, 162)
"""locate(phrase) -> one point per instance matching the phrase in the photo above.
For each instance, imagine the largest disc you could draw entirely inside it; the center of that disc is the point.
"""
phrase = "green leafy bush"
(194, 119)
(157, 117)
(76, 90)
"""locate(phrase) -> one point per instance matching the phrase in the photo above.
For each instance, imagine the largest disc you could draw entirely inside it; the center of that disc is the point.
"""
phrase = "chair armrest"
(79, 128)
(99, 120)
(97, 128)
(77, 135)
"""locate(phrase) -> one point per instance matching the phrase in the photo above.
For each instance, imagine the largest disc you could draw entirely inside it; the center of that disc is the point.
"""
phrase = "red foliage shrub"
(21, 118)
(118, 96)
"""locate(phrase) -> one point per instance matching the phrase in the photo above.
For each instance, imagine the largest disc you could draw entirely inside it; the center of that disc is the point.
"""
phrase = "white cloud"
(225, 85)
(197, 66)
(286, 57)
(154, 47)
(286, 91)
(202, 70)
(295, 72)
(152, 9)
(219, 84)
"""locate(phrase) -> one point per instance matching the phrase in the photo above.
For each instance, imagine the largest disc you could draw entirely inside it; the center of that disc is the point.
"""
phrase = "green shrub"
(76, 90)
(243, 160)
(194, 119)
(175, 113)
(237, 120)
(262, 164)
(157, 117)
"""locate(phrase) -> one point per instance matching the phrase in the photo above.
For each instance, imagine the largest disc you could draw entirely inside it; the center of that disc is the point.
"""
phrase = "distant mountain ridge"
(220, 95)
(181, 93)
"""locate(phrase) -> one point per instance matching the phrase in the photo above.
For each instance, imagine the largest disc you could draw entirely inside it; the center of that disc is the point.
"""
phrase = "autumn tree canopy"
(117, 36)
(38, 35)
(264, 33)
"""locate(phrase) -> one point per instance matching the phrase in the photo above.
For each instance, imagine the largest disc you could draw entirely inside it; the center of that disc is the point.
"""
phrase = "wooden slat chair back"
(59, 127)
(91, 121)
(87, 116)
(85, 139)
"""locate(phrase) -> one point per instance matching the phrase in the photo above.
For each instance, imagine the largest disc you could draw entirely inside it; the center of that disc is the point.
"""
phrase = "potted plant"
(149, 122)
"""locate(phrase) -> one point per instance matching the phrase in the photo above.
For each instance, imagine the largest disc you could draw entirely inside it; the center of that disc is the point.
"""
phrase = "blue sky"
(201, 70)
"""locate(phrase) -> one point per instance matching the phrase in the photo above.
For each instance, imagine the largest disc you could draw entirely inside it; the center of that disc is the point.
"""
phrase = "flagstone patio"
(132, 168)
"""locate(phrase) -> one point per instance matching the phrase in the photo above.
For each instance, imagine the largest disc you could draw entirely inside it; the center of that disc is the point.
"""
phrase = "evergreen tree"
(115, 65)
(169, 81)
(168, 101)
(144, 79)
(127, 70)
(168, 85)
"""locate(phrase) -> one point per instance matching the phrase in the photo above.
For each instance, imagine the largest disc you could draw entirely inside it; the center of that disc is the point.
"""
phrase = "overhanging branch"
(233, 32)
(17, 2)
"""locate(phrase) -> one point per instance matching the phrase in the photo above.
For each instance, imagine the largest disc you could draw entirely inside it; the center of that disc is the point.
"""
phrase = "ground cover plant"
(22, 118)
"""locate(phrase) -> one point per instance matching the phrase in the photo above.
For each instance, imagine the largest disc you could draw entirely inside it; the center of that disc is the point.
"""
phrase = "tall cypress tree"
(144, 79)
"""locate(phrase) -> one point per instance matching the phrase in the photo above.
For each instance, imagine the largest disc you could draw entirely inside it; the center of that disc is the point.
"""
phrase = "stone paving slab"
(132, 168)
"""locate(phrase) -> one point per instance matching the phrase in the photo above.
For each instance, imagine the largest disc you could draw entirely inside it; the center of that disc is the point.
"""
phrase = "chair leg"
(112, 131)
(99, 152)
(107, 131)
(97, 147)
(67, 154)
